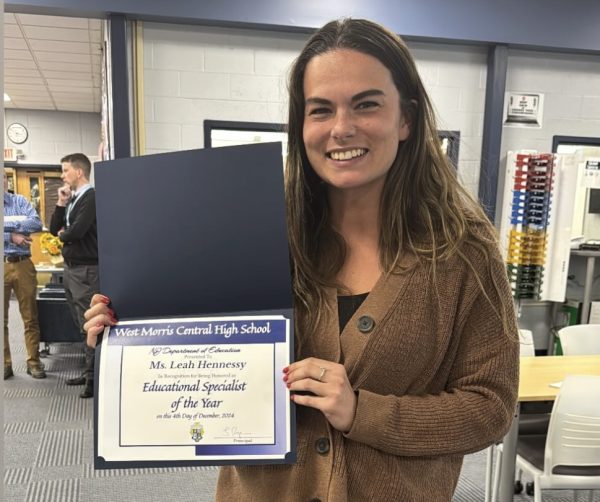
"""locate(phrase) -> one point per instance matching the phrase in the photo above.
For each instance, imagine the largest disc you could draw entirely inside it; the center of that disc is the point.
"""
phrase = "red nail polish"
(105, 299)
(292, 397)
(285, 378)
(113, 320)
(288, 385)
(286, 369)
(110, 312)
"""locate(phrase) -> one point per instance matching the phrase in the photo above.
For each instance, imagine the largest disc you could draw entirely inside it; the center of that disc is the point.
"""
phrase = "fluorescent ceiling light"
(6, 97)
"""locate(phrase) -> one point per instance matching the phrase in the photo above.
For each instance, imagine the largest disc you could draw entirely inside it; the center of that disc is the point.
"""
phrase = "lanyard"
(73, 202)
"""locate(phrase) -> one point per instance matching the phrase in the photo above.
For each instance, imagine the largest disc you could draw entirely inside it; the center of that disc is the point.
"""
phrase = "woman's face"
(352, 119)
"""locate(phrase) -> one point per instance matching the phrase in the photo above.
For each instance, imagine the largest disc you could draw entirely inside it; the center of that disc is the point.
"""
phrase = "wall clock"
(17, 133)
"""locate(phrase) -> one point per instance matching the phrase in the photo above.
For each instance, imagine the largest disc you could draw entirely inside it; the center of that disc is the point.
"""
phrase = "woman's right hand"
(98, 316)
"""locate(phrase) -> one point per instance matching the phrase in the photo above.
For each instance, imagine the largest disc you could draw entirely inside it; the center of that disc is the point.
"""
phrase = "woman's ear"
(406, 119)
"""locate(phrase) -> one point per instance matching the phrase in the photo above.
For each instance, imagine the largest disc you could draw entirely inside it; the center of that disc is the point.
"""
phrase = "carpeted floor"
(48, 445)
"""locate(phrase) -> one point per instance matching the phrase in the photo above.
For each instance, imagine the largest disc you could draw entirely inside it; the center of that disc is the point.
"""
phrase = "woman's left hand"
(329, 383)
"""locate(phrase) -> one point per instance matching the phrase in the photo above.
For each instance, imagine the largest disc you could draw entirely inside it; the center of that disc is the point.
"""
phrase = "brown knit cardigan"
(437, 378)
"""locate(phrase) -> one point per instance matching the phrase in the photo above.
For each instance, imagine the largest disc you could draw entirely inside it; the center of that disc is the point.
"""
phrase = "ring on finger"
(323, 370)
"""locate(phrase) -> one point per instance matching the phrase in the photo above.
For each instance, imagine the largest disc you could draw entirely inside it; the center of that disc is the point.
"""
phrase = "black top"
(80, 240)
(347, 305)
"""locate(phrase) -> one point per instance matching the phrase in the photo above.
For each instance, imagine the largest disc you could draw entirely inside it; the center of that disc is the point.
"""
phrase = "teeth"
(348, 154)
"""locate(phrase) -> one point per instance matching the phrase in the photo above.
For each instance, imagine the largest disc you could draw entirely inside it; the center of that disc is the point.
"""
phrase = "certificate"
(204, 390)
(176, 383)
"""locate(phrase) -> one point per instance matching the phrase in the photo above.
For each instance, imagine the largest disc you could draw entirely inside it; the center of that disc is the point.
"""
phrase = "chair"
(569, 458)
(526, 348)
(580, 339)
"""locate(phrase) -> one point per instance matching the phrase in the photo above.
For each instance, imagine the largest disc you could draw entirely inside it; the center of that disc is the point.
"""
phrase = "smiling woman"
(406, 340)
(405, 329)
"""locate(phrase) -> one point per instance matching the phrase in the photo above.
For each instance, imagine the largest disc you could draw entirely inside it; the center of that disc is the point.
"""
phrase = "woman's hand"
(98, 316)
(333, 394)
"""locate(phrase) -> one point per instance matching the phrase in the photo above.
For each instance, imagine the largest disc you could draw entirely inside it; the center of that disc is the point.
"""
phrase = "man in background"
(74, 222)
(20, 221)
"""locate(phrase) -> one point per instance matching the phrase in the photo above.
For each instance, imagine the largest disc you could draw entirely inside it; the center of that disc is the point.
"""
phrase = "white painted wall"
(195, 73)
(571, 87)
(455, 77)
(570, 84)
(54, 134)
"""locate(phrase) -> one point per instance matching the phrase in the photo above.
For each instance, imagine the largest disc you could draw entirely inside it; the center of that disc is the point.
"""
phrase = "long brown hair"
(424, 210)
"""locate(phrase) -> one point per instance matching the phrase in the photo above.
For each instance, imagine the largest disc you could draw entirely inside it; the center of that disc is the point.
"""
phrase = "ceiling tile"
(25, 89)
(20, 80)
(62, 96)
(15, 43)
(56, 46)
(59, 34)
(17, 54)
(96, 48)
(21, 99)
(96, 36)
(19, 63)
(59, 56)
(35, 105)
(57, 21)
(68, 75)
(69, 54)
(55, 83)
(78, 108)
(12, 30)
(23, 73)
(81, 100)
(64, 67)
(95, 24)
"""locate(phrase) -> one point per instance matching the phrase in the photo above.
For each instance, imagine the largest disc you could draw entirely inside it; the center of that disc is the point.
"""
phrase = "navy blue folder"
(194, 232)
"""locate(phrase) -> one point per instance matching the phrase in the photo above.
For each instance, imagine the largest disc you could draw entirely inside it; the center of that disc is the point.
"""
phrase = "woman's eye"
(318, 111)
(363, 105)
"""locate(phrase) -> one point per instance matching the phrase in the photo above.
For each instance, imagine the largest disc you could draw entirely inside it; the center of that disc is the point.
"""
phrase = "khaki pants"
(21, 277)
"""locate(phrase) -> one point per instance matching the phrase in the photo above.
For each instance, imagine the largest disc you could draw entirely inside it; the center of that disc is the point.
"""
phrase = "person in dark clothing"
(74, 222)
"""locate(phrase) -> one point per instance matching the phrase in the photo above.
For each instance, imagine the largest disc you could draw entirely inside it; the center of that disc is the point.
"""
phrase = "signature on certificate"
(235, 432)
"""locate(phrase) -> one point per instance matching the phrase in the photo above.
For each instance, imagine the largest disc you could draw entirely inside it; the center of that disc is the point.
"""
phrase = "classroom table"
(536, 376)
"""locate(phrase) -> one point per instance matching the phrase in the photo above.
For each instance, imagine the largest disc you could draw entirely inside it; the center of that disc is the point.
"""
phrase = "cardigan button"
(322, 445)
(366, 324)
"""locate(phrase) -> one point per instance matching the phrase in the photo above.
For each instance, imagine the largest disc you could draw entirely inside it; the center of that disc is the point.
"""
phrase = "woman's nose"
(343, 126)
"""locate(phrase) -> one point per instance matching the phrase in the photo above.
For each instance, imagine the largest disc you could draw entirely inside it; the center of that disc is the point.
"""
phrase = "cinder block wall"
(54, 134)
(196, 73)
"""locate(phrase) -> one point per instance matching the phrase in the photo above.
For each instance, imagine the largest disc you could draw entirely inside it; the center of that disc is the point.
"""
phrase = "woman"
(406, 337)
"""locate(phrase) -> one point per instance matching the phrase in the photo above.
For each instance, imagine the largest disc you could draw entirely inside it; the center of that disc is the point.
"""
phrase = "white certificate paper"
(195, 390)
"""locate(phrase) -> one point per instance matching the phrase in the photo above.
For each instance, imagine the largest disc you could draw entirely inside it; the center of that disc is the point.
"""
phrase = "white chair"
(526, 348)
(571, 452)
(581, 339)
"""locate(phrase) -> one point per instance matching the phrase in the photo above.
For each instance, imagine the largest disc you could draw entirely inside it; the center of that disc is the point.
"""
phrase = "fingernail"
(292, 396)
(113, 320)
(285, 378)
(288, 385)
(286, 369)
(110, 312)
(104, 299)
